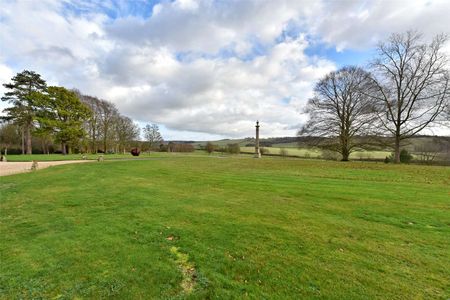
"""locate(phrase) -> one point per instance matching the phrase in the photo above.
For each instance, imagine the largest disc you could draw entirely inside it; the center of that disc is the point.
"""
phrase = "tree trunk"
(344, 147)
(23, 141)
(94, 142)
(63, 148)
(397, 150)
(28, 135)
(345, 155)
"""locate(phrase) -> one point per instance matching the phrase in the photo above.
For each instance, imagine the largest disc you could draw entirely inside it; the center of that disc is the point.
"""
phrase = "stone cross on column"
(257, 150)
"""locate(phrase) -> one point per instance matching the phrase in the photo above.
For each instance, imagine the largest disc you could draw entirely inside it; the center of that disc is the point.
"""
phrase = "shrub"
(283, 152)
(174, 147)
(12, 151)
(330, 155)
(233, 148)
(210, 147)
(264, 151)
(405, 156)
(222, 149)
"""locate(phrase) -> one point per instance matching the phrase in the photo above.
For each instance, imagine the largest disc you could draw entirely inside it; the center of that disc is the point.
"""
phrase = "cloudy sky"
(203, 69)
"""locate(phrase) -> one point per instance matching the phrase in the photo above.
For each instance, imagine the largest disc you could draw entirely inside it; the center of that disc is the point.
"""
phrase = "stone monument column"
(257, 150)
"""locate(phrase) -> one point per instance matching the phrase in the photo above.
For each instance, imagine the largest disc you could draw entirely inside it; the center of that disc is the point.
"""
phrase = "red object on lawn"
(135, 151)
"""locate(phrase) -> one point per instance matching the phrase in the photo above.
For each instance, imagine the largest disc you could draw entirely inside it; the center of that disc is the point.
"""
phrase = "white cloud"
(355, 24)
(6, 74)
(222, 95)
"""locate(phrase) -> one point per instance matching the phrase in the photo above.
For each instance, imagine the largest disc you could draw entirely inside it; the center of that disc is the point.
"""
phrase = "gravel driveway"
(9, 168)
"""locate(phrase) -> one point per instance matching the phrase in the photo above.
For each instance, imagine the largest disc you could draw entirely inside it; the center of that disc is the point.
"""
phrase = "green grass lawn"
(57, 157)
(207, 227)
(126, 156)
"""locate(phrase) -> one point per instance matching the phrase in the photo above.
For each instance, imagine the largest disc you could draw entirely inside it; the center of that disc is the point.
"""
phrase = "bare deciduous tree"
(412, 82)
(340, 110)
(92, 125)
(152, 135)
(210, 147)
(107, 126)
(126, 132)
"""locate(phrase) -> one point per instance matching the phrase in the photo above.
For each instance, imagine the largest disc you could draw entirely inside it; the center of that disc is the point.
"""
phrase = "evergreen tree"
(25, 89)
(63, 113)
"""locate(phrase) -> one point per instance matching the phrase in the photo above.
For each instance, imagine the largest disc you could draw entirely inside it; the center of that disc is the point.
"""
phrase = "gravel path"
(9, 168)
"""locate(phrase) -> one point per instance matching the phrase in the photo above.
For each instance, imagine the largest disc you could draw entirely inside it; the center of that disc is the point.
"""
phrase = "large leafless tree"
(107, 129)
(412, 84)
(152, 135)
(126, 132)
(340, 111)
(92, 125)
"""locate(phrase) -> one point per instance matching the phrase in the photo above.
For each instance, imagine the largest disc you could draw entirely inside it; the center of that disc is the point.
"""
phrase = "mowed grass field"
(193, 227)
(88, 156)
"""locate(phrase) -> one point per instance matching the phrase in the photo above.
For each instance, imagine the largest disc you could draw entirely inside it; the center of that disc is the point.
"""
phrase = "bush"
(405, 156)
(37, 151)
(12, 151)
(263, 151)
(283, 152)
(330, 155)
(173, 147)
(233, 148)
(210, 147)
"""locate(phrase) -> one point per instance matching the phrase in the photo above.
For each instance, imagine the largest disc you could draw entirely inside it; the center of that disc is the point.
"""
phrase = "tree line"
(404, 90)
(56, 115)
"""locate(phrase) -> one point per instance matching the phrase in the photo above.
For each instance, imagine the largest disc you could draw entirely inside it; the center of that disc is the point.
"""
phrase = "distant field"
(412, 145)
(286, 145)
(199, 227)
(316, 153)
(290, 151)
